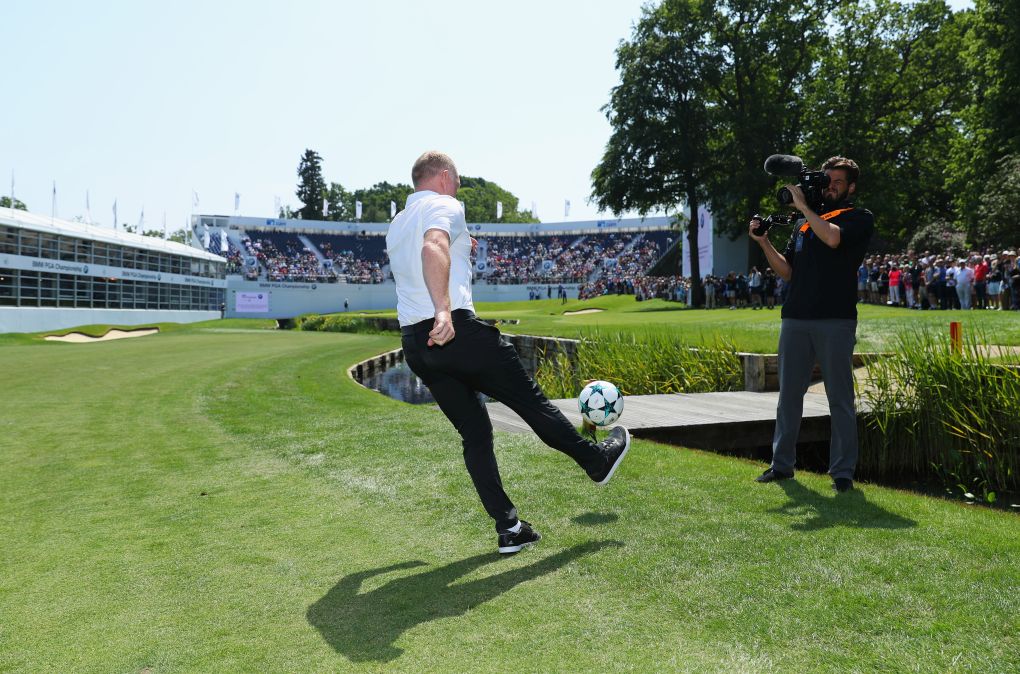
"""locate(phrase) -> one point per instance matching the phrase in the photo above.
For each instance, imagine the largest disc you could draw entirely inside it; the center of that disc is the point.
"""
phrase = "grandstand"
(296, 266)
(57, 273)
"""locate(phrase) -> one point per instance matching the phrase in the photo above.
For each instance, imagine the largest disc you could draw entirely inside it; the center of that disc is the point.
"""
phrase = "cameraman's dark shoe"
(771, 475)
(842, 484)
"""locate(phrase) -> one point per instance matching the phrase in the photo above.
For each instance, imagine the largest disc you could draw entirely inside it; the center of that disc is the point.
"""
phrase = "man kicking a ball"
(457, 356)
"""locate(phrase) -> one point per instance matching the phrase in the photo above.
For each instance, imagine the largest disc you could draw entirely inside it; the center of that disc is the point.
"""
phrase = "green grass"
(748, 330)
(221, 499)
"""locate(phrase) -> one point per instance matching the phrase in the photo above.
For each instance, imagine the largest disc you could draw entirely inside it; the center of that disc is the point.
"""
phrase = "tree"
(708, 90)
(890, 89)
(5, 202)
(375, 201)
(312, 188)
(991, 121)
(180, 236)
(999, 209)
(765, 53)
(657, 156)
(341, 204)
(480, 196)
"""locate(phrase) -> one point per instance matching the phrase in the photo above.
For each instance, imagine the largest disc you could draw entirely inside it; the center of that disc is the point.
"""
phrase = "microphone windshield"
(784, 165)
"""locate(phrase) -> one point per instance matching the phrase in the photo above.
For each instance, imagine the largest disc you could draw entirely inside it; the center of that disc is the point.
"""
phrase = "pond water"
(400, 383)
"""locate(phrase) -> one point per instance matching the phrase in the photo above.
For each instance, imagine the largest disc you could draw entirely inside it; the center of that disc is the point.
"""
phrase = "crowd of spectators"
(347, 266)
(617, 263)
(928, 281)
(555, 259)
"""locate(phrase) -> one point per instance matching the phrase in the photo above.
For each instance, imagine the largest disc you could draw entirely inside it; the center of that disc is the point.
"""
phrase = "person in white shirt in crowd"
(964, 283)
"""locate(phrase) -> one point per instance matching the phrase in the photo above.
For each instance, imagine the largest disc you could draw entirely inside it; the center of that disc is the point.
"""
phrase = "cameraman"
(819, 318)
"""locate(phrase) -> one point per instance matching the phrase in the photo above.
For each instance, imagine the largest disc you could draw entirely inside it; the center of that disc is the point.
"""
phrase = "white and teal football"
(600, 403)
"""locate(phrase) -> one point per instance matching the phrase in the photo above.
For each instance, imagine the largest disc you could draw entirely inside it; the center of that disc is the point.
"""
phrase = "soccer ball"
(600, 403)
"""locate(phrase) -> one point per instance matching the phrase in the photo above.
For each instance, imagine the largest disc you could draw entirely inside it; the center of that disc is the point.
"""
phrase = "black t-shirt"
(824, 281)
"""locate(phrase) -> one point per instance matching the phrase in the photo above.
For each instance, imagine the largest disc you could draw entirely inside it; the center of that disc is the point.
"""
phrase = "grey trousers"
(831, 343)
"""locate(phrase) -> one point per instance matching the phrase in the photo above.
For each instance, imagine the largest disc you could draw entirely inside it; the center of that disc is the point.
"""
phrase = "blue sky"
(144, 102)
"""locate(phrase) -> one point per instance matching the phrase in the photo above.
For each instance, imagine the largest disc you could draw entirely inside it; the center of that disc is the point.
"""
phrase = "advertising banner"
(251, 303)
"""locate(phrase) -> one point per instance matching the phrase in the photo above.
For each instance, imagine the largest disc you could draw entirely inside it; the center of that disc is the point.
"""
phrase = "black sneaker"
(771, 475)
(615, 448)
(510, 543)
(842, 484)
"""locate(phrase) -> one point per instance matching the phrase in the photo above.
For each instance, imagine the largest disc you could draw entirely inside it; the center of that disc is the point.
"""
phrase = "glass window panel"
(66, 248)
(48, 246)
(113, 294)
(99, 293)
(84, 251)
(100, 253)
(83, 291)
(115, 256)
(65, 290)
(29, 243)
(8, 240)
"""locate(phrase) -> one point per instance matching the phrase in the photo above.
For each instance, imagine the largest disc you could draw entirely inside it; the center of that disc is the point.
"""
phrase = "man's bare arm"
(775, 258)
(435, 263)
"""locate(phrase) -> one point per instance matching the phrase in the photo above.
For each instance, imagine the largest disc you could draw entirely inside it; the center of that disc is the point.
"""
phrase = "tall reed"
(931, 412)
(643, 363)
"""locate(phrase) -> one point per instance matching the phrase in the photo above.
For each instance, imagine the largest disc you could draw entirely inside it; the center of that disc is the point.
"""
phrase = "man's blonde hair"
(431, 164)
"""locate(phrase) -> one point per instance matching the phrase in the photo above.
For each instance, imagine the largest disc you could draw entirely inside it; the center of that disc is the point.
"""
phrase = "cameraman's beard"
(833, 197)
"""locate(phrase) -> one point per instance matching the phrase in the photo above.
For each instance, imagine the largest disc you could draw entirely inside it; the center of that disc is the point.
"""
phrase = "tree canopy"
(923, 98)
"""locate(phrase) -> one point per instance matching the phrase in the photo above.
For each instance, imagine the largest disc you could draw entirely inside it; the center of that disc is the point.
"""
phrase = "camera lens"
(784, 196)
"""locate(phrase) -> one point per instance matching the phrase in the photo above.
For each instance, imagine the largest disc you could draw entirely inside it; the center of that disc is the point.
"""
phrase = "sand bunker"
(79, 337)
(582, 311)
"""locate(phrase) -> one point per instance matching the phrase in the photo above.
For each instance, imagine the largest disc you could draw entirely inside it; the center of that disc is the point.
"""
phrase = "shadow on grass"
(364, 626)
(594, 519)
(849, 509)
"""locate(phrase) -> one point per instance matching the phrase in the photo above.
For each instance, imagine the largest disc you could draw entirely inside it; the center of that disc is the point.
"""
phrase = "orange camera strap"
(825, 216)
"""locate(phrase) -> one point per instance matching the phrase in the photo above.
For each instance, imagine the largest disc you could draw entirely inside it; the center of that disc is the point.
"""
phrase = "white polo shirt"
(427, 210)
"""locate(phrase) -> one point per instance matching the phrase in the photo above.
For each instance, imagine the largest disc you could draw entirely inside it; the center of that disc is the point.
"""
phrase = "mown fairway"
(224, 498)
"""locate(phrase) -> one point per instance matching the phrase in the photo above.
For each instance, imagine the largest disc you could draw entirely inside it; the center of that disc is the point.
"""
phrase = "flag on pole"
(534, 210)
(276, 207)
(566, 208)
(237, 201)
(115, 214)
(393, 209)
(54, 213)
(357, 210)
(88, 208)
(12, 189)
(224, 245)
(205, 236)
(141, 222)
(325, 207)
(164, 225)
(194, 199)
(499, 210)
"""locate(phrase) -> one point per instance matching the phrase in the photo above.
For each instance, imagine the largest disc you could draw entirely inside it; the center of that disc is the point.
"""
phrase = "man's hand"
(442, 332)
(798, 197)
(755, 222)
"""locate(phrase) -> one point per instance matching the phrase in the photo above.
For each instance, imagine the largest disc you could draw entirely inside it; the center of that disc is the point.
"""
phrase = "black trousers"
(478, 359)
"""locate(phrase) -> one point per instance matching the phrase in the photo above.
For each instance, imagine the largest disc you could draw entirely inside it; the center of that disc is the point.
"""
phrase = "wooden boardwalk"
(724, 420)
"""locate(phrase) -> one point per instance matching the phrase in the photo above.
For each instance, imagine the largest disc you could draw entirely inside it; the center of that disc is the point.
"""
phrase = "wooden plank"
(720, 419)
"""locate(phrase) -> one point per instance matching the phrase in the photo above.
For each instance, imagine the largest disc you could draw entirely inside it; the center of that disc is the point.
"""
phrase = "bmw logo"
(313, 286)
(85, 269)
